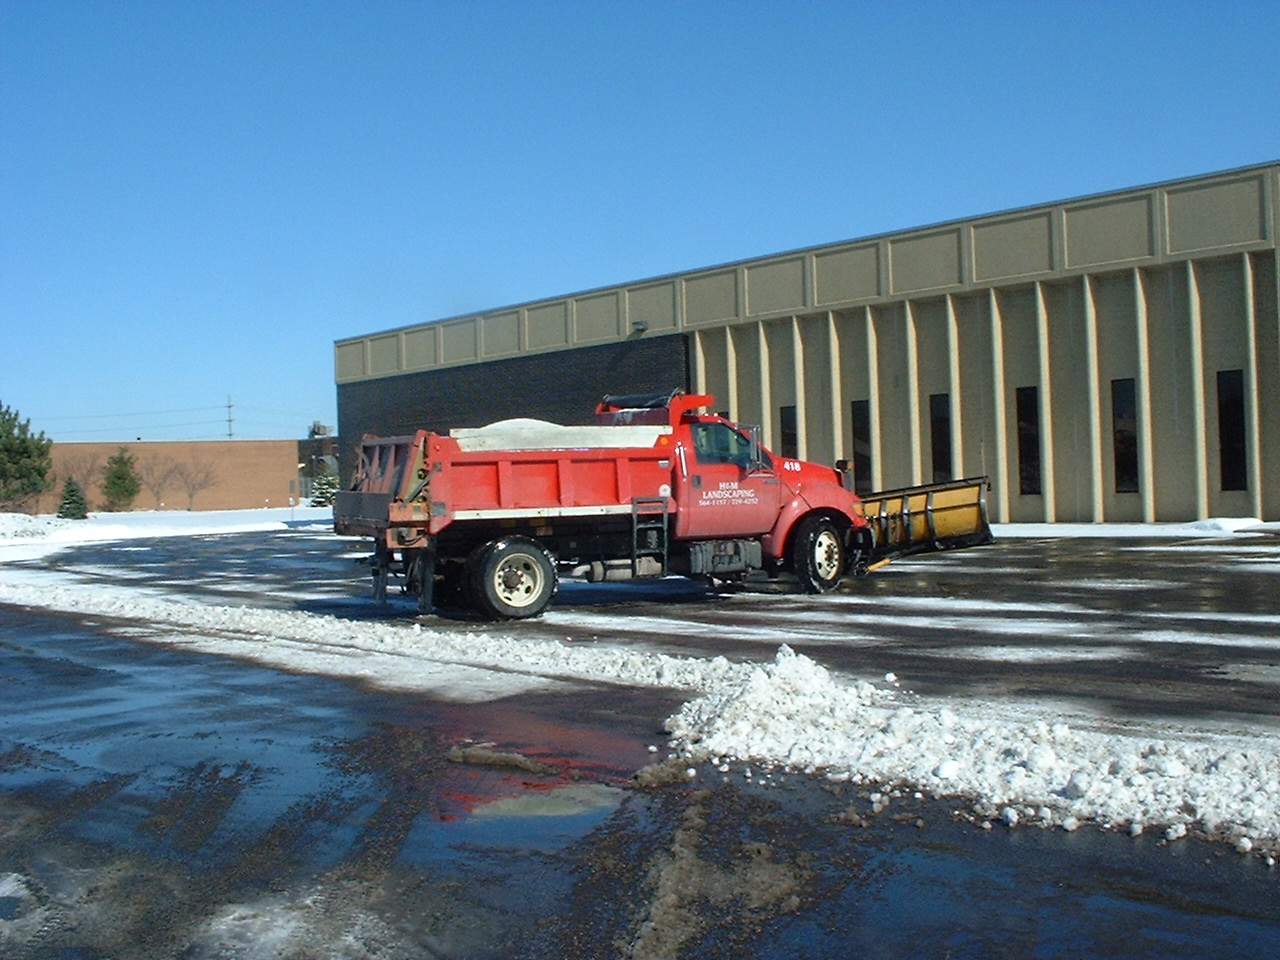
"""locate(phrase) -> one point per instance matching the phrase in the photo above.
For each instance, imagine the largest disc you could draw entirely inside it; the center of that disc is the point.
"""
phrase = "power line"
(122, 416)
(128, 425)
(292, 414)
(143, 427)
(265, 415)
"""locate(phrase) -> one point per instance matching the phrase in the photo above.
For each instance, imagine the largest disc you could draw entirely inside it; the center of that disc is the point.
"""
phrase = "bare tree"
(193, 476)
(157, 475)
(84, 468)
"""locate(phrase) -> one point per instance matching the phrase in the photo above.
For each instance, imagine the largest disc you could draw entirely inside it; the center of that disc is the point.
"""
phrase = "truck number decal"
(791, 465)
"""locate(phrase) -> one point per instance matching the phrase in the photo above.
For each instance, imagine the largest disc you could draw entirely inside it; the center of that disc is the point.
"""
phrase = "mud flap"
(420, 575)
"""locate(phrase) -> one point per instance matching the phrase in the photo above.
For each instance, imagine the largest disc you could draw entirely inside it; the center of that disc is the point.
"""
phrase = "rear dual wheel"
(512, 579)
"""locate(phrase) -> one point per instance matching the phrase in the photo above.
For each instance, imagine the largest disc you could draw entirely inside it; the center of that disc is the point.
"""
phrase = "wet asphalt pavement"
(156, 803)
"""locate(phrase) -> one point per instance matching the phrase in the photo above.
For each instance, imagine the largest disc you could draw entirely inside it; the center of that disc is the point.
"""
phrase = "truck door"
(726, 485)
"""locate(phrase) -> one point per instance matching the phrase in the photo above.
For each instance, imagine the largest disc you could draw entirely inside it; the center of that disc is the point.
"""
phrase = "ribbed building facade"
(1108, 358)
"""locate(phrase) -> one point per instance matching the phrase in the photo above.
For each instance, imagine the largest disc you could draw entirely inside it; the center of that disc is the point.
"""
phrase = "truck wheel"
(817, 555)
(513, 579)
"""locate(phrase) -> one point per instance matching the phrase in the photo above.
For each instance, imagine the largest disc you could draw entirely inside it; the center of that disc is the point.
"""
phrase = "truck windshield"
(720, 443)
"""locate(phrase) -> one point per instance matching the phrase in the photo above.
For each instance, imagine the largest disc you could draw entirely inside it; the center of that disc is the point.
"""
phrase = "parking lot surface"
(161, 802)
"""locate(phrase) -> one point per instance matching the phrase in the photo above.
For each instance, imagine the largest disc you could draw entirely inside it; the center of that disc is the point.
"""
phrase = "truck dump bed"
(517, 468)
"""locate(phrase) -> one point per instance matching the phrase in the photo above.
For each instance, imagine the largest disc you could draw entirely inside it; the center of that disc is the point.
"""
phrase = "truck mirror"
(759, 460)
(845, 469)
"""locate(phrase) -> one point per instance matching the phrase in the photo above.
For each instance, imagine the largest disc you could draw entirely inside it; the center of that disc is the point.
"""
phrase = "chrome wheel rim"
(826, 555)
(517, 580)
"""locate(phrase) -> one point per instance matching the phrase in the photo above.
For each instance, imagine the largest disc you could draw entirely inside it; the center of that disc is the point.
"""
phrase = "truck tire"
(512, 579)
(817, 554)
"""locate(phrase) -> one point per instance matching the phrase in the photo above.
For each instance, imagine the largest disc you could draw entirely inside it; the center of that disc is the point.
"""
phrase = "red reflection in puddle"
(571, 740)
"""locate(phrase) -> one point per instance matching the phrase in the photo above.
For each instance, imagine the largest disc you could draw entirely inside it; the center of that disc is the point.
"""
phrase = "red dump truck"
(492, 515)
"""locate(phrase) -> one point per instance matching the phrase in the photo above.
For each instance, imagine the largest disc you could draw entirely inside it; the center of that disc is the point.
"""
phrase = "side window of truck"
(719, 443)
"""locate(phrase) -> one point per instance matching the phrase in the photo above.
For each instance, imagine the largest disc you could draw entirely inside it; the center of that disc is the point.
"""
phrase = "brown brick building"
(195, 474)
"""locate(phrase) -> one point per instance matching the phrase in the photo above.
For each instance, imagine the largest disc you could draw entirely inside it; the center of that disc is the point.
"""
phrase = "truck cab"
(743, 506)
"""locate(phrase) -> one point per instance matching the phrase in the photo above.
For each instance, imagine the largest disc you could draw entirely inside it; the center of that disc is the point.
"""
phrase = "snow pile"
(1217, 526)
(1212, 527)
(1019, 769)
(22, 525)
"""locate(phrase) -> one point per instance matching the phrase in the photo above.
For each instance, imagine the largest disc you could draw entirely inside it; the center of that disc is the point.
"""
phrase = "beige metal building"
(1110, 358)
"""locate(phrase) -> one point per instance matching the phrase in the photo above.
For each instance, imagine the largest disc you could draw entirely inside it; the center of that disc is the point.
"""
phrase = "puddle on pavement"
(156, 804)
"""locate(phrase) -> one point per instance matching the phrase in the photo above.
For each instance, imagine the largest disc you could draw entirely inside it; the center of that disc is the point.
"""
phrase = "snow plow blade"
(936, 516)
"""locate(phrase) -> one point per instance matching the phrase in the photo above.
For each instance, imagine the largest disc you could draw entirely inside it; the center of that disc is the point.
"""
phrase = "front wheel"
(817, 555)
(513, 579)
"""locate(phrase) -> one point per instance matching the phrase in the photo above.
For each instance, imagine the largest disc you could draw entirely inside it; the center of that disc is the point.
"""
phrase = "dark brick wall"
(563, 387)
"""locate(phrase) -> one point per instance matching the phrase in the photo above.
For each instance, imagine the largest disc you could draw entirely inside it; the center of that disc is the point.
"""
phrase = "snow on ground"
(448, 663)
(1213, 527)
(15, 527)
(18, 527)
(1014, 762)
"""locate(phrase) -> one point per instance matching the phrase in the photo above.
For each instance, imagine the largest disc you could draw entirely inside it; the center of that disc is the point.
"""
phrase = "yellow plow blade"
(937, 516)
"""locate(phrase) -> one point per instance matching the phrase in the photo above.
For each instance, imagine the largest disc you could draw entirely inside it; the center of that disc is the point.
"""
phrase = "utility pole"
(228, 417)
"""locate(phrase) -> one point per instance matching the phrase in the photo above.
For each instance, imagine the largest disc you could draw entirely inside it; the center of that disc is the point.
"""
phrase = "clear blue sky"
(198, 198)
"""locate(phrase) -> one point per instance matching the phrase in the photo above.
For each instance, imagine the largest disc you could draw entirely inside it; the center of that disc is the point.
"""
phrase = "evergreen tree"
(24, 460)
(322, 490)
(120, 484)
(73, 506)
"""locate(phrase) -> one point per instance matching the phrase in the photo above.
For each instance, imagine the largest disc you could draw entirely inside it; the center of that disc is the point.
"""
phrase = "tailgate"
(359, 514)
(386, 465)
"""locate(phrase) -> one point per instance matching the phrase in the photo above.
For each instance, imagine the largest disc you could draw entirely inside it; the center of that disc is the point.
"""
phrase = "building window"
(790, 446)
(1232, 452)
(1124, 434)
(861, 447)
(940, 435)
(1027, 401)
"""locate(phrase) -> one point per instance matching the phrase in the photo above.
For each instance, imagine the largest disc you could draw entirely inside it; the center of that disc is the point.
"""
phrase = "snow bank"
(154, 523)
(450, 664)
(1213, 527)
(1017, 768)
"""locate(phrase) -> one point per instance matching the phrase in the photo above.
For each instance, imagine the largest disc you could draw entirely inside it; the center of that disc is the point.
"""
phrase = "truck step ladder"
(649, 529)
